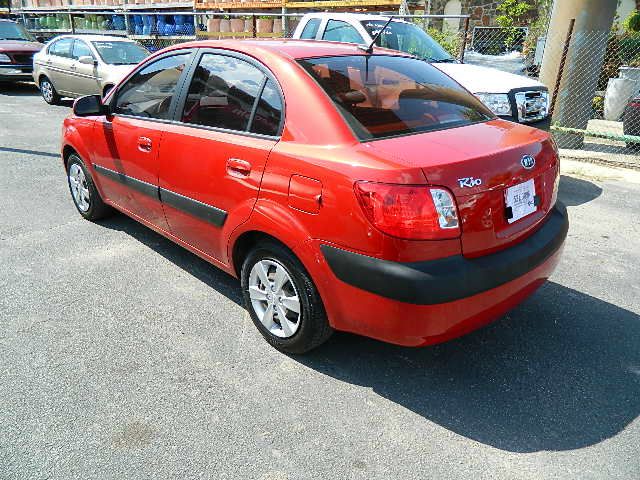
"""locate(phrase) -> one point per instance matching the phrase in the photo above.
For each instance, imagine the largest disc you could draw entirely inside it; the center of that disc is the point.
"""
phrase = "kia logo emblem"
(528, 162)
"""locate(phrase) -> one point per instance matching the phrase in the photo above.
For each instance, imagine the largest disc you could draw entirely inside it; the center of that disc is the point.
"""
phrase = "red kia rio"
(347, 190)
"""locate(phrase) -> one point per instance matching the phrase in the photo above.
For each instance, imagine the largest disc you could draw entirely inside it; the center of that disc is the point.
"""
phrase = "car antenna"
(369, 49)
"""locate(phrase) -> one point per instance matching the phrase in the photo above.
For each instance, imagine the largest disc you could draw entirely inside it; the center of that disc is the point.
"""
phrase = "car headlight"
(4, 58)
(498, 103)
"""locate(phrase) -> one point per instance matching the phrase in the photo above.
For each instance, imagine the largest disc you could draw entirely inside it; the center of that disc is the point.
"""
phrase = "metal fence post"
(463, 47)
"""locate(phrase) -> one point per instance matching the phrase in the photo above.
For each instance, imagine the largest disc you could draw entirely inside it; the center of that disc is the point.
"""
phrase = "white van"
(512, 97)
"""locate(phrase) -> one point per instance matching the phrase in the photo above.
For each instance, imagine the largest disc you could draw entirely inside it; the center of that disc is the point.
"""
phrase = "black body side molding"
(205, 212)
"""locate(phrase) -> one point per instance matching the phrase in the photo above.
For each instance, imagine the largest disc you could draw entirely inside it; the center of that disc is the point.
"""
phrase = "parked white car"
(512, 97)
(77, 65)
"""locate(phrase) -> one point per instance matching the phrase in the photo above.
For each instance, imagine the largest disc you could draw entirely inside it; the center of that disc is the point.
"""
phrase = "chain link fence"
(596, 110)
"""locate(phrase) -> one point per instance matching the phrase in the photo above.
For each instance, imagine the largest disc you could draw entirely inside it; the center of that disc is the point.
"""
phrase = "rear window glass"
(382, 96)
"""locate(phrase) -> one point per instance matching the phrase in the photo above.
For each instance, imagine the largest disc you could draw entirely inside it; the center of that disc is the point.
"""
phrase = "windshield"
(14, 31)
(121, 53)
(406, 37)
(382, 95)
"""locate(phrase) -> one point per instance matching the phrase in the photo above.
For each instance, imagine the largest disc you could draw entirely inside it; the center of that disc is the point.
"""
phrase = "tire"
(311, 327)
(83, 191)
(49, 92)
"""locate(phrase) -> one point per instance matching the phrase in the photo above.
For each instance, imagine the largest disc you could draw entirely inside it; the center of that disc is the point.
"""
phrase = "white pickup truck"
(512, 97)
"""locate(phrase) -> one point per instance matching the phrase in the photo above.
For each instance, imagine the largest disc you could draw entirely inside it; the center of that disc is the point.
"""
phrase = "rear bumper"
(422, 303)
(452, 278)
(16, 73)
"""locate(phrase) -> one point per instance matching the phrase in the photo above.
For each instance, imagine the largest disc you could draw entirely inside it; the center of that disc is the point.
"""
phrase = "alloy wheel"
(274, 298)
(79, 187)
(47, 90)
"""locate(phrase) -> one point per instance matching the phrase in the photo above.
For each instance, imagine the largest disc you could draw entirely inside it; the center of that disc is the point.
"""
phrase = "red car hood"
(17, 46)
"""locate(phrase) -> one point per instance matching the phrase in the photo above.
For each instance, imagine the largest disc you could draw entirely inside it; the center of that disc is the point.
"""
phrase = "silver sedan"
(77, 65)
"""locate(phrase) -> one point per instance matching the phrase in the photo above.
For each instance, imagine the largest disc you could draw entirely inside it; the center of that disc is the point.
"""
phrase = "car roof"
(96, 38)
(354, 17)
(291, 48)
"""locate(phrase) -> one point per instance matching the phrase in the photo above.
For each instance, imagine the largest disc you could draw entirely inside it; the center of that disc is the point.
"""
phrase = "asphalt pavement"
(123, 356)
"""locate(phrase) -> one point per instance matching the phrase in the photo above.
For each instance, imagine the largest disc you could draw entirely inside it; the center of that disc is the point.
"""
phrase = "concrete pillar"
(594, 19)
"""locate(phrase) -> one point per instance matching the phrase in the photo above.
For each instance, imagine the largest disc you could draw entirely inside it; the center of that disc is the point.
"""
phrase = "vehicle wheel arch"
(245, 242)
(67, 151)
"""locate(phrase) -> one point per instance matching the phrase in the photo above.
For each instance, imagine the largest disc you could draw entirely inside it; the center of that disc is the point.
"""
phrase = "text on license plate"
(521, 200)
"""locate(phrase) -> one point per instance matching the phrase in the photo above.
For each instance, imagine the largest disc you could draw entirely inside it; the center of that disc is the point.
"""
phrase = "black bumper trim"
(452, 278)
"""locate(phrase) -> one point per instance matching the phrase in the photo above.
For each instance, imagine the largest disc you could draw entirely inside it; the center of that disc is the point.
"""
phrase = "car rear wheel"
(49, 92)
(83, 191)
(282, 300)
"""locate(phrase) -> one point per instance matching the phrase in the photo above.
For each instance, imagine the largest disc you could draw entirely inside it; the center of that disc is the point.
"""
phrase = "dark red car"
(361, 192)
(17, 48)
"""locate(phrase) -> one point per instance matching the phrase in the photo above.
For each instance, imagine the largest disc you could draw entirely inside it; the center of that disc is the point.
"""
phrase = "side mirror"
(89, 106)
(39, 39)
(88, 60)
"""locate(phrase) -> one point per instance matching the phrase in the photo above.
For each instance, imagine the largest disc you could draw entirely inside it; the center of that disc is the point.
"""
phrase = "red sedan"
(350, 190)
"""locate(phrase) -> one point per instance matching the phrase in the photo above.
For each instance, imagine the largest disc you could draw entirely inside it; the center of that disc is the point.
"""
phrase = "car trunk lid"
(479, 164)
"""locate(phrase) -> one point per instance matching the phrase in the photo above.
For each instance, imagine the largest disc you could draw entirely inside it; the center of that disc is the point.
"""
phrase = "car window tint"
(269, 111)
(338, 31)
(61, 48)
(311, 29)
(81, 49)
(381, 95)
(149, 92)
(222, 93)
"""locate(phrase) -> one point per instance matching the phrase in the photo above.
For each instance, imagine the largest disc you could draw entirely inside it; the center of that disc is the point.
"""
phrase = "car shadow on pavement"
(560, 372)
(179, 256)
(20, 89)
(575, 191)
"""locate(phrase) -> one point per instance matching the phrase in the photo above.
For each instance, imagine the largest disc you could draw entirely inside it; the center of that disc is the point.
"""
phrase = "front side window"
(338, 31)
(381, 95)
(81, 49)
(61, 48)
(406, 37)
(223, 93)
(310, 29)
(121, 53)
(150, 91)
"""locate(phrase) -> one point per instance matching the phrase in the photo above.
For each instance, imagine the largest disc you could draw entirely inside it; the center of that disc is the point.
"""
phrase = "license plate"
(521, 200)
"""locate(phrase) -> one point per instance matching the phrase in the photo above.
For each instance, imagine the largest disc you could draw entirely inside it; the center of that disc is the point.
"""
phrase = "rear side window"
(381, 96)
(150, 91)
(61, 48)
(269, 111)
(310, 29)
(223, 94)
(338, 31)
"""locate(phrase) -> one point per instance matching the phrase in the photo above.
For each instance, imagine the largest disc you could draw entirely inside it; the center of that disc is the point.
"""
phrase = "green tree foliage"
(512, 14)
(632, 22)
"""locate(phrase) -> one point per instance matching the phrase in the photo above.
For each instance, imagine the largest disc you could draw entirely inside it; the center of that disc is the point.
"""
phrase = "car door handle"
(144, 144)
(238, 168)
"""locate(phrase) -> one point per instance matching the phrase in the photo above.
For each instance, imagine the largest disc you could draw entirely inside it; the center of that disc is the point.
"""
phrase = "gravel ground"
(124, 356)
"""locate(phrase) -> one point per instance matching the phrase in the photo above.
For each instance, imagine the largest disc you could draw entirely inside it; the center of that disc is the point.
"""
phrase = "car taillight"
(556, 185)
(409, 211)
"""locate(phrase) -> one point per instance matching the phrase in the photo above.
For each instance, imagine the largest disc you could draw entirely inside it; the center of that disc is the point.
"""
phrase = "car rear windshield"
(383, 96)
(121, 53)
